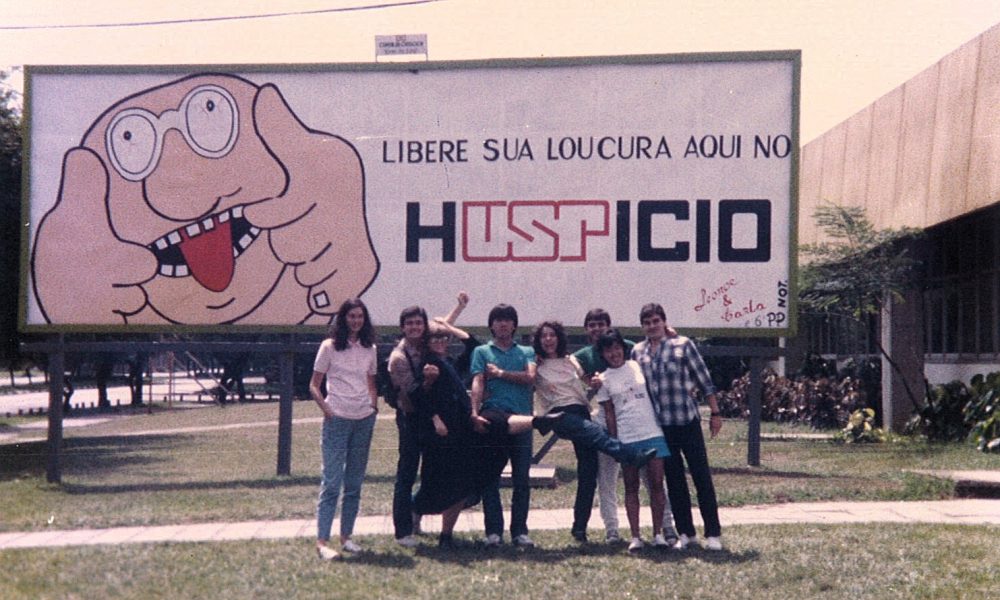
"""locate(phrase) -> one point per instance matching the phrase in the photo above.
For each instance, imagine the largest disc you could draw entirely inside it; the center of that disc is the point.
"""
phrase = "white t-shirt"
(558, 383)
(625, 389)
(347, 374)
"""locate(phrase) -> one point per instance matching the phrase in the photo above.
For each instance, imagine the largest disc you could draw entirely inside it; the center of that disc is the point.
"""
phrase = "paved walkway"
(961, 512)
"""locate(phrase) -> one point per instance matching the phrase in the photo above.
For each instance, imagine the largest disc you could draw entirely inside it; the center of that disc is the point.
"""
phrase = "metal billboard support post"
(53, 464)
(285, 413)
(753, 427)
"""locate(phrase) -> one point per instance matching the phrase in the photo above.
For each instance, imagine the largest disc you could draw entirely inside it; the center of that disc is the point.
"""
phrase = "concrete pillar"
(902, 334)
(795, 349)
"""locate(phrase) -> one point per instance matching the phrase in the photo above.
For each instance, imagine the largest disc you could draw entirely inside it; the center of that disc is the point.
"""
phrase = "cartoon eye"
(132, 144)
(211, 116)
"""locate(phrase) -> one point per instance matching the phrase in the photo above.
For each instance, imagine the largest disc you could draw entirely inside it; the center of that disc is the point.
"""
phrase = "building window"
(962, 287)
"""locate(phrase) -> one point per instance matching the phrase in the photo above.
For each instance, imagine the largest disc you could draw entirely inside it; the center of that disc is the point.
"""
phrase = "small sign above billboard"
(395, 45)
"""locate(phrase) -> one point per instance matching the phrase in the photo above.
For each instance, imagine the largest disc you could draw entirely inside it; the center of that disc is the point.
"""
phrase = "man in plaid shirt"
(672, 366)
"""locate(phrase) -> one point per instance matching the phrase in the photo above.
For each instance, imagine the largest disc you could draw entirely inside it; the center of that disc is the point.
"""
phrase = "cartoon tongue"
(209, 256)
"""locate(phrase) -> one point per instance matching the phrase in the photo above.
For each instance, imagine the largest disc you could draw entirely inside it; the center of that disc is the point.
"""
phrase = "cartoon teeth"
(168, 247)
(174, 270)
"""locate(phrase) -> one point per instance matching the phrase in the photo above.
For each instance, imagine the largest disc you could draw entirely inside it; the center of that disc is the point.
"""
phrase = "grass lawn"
(132, 471)
(780, 562)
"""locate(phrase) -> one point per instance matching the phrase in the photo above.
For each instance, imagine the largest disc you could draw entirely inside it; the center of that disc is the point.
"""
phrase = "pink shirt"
(347, 374)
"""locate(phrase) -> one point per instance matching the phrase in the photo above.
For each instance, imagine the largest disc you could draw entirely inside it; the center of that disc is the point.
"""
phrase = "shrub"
(820, 402)
(861, 429)
(982, 412)
(942, 418)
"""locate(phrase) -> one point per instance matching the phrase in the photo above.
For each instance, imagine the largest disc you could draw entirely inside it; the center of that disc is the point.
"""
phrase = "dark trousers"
(500, 449)
(586, 463)
(406, 474)
(688, 440)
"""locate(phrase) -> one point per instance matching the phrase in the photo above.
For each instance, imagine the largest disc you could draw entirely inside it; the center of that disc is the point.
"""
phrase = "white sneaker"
(327, 553)
(408, 542)
(492, 540)
(350, 546)
(524, 541)
(635, 545)
(660, 542)
(682, 542)
(713, 543)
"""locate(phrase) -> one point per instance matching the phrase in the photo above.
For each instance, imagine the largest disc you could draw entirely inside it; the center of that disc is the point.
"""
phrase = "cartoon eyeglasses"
(207, 117)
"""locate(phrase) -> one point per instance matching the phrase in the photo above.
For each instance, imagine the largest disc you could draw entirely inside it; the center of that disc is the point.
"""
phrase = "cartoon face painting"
(204, 201)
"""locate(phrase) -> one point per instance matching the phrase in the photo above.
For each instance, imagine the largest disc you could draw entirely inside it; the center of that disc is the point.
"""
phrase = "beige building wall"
(924, 153)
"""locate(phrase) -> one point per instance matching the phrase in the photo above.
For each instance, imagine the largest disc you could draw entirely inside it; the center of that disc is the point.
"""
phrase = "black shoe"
(645, 456)
(580, 536)
(446, 542)
(545, 423)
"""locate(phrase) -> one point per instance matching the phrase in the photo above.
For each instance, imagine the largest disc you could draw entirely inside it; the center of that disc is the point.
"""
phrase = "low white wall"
(938, 373)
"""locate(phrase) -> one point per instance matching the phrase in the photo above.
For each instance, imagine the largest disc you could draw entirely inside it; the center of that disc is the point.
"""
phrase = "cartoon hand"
(83, 272)
(318, 223)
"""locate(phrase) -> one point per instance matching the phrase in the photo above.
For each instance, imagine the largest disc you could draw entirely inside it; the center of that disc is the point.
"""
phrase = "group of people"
(646, 424)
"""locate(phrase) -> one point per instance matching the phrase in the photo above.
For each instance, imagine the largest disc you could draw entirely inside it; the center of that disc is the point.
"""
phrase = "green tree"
(10, 217)
(857, 270)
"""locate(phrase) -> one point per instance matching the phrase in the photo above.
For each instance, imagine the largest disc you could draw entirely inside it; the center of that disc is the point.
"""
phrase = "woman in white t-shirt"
(560, 389)
(631, 417)
(348, 362)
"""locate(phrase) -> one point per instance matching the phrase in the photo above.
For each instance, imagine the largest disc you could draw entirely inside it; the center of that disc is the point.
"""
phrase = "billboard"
(202, 198)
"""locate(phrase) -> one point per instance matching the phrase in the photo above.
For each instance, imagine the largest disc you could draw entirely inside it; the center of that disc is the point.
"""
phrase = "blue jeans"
(689, 441)
(517, 449)
(406, 474)
(581, 430)
(345, 459)
(586, 464)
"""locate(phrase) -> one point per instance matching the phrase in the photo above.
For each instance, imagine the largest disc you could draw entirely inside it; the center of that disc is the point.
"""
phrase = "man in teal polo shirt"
(502, 384)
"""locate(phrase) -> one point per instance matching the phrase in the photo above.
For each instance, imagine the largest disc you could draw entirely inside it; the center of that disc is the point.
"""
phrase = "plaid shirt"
(670, 373)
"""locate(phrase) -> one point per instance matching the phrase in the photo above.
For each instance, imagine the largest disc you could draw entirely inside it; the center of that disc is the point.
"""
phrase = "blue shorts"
(657, 443)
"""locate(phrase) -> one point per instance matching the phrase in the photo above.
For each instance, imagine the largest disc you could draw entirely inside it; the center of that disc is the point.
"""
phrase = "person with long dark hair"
(347, 360)
(559, 388)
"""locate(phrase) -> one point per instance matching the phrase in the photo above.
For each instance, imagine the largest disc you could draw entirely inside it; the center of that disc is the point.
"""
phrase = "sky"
(853, 51)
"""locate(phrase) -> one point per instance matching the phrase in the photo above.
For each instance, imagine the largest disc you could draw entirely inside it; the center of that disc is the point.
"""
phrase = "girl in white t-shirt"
(631, 417)
(347, 360)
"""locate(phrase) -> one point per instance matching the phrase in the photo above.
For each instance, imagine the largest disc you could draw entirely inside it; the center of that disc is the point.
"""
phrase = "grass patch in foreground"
(787, 561)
